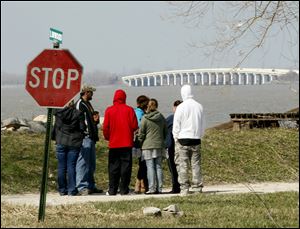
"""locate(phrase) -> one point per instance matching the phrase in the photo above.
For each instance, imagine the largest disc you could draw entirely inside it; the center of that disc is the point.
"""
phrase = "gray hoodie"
(153, 131)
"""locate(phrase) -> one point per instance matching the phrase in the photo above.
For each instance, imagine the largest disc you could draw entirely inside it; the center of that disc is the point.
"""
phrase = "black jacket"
(91, 127)
(69, 127)
(169, 139)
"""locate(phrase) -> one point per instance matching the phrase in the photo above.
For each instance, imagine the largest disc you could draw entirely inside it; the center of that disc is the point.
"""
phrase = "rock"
(10, 122)
(36, 127)
(10, 129)
(151, 211)
(288, 124)
(23, 122)
(41, 118)
(23, 129)
(172, 210)
(13, 124)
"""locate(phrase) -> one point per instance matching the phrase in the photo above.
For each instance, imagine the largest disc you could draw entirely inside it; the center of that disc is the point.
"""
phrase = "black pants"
(119, 168)
(173, 170)
(142, 173)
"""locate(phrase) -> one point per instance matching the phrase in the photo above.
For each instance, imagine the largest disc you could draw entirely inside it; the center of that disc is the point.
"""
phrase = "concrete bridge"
(217, 76)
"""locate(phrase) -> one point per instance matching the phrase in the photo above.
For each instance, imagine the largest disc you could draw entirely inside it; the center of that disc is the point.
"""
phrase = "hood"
(119, 97)
(154, 116)
(186, 92)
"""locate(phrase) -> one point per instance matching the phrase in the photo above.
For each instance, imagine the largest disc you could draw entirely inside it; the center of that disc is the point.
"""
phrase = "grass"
(202, 211)
(255, 155)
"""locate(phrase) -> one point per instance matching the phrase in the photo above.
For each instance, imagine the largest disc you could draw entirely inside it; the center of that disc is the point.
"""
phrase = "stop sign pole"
(45, 167)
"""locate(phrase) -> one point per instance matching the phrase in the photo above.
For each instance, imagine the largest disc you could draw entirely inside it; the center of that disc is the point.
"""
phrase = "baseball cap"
(86, 88)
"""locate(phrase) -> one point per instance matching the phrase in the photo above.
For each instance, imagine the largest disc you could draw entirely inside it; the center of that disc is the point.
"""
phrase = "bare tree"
(242, 25)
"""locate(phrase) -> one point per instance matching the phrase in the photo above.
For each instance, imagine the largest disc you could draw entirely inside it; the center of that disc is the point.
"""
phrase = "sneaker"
(150, 192)
(83, 192)
(128, 193)
(95, 190)
(108, 194)
(73, 194)
(63, 193)
(125, 192)
(197, 188)
(184, 192)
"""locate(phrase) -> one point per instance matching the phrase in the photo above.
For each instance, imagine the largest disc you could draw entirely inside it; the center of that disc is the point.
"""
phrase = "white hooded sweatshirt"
(189, 117)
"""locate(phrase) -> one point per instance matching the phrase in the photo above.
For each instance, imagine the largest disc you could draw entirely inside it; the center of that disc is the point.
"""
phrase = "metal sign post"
(46, 151)
(45, 167)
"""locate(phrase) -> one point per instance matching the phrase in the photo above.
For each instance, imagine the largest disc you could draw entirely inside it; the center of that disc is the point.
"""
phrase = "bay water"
(218, 101)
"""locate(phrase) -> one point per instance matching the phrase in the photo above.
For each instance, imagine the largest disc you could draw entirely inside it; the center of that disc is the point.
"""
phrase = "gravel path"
(55, 199)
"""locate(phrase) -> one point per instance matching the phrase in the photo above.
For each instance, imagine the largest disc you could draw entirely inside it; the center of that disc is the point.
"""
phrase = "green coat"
(153, 131)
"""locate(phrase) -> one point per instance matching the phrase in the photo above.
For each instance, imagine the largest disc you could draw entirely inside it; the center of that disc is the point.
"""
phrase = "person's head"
(87, 92)
(186, 92)
(142, 102)
(175, 104)
(96, 116)
(119, 97)
(152, 105)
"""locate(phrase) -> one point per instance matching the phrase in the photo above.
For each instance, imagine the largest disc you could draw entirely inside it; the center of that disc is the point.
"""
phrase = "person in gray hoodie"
(152, 135)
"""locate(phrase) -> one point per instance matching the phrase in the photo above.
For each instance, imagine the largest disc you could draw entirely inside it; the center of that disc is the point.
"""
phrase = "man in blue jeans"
(86, 163)
(68, 134)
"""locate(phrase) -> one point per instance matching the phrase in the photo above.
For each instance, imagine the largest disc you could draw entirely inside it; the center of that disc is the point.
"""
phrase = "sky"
(117, 37)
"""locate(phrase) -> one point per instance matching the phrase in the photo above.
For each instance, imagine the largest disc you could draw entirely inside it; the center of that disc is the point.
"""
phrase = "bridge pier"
(195, 78)
(254, 79)
(201, 79)
(142, 81)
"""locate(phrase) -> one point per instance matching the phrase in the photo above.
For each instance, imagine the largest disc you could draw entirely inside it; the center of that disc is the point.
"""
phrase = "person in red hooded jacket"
(119, 125)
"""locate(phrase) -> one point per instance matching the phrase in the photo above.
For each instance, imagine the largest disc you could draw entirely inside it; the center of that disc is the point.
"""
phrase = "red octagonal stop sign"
(53, 78)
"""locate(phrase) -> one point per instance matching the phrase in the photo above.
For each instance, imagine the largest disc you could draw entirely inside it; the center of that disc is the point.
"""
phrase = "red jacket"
(120, 122)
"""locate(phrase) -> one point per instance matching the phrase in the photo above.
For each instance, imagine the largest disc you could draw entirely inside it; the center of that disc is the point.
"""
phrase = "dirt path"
(55, 199)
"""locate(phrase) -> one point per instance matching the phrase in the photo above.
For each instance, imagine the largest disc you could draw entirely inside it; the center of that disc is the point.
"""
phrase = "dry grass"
(203, 210)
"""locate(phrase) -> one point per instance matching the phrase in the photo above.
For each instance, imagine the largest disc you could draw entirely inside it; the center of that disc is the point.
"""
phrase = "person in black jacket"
(86, 163)
(68, 134)
(170, 144)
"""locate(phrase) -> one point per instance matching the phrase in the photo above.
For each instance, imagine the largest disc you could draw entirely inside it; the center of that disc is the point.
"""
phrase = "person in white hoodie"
(188, 129)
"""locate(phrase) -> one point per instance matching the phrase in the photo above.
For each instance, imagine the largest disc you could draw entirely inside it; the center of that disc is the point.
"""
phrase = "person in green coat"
(152, 135)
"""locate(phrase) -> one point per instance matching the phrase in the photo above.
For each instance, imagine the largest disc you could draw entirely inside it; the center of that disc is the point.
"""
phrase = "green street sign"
(55, 35)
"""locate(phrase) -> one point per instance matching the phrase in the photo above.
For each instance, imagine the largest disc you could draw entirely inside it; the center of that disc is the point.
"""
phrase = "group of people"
(141, 132)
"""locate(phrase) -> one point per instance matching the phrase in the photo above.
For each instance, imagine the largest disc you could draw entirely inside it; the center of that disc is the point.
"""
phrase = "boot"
(143, 188)
(137, 188)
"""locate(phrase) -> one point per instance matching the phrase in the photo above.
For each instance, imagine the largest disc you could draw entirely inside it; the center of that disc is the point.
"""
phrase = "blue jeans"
(86, 165)
(66, 174)
(154, 174)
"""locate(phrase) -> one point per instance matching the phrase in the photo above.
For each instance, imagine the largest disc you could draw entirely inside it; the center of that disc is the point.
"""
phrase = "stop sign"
(53, 78)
